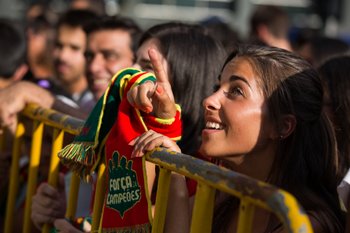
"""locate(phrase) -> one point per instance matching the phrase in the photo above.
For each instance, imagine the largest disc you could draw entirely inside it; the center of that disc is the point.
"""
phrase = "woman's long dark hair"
(194, 60)
(335, 75)
(305, 163)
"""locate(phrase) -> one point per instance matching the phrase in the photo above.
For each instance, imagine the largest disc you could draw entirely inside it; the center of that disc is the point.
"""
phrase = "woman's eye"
(234, 91)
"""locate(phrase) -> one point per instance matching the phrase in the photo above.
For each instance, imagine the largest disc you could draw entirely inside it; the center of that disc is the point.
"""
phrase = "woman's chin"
(207, 151)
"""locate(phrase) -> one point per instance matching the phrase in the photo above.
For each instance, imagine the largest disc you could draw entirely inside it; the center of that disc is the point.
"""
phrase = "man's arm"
(60, 106)
(14, 98)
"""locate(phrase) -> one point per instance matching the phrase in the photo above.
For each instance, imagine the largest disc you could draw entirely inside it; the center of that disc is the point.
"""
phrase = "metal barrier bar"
(99, 197)
(14, 179)
(61, 123)
(161, 200)
(203, 209)
(255, 192)
(57, 143)
(73, 196)
(67, 124)
(209, 177)
(245, 218)
(34, 160)
(54, 163)
(53, 119)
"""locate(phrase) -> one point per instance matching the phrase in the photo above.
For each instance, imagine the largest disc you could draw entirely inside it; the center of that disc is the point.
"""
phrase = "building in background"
(325, 15)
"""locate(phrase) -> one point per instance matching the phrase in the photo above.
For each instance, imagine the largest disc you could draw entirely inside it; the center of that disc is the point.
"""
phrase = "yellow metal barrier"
(60, 123)
(13, 186)
(209, 177)
(250, 191)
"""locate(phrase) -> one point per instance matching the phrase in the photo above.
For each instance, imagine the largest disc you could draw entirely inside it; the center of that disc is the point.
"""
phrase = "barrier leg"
(203, 209)
(57, 143)
(33, 172)
(246, 214)
(161, 200)
(14, 179)
(99, 197)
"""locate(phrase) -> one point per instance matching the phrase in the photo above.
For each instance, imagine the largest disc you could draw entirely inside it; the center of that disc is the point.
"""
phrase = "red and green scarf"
(112, 124)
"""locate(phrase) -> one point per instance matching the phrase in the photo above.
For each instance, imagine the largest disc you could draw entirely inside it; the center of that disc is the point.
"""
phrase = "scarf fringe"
(80, 157)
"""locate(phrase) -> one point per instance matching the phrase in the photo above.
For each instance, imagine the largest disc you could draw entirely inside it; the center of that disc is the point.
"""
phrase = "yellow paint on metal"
(294, 219)
(203, 209)
(73, 196)
(54, 163)
(57, 143)
(161, 200)
(53, 118)
(34, 161)
(252, 191)
(245, 218)
(209, 176)
(99, 197)
(14, 179)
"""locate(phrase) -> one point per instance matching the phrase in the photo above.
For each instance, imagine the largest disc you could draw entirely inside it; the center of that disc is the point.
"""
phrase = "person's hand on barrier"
(149, 141)
(14, 98)
(11, 103)
(154, 97)
(49, 203)
(63, 226)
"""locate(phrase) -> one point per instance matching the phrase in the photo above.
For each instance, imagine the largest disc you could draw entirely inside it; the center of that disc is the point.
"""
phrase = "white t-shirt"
(344, 189)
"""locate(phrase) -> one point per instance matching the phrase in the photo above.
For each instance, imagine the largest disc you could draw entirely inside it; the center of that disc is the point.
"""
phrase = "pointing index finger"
(157, 66)
(160, 73)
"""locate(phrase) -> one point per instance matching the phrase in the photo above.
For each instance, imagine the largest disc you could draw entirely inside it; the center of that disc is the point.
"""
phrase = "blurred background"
(326, 16)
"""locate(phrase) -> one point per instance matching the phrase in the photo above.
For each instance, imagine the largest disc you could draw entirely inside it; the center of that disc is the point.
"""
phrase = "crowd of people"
(265, 100)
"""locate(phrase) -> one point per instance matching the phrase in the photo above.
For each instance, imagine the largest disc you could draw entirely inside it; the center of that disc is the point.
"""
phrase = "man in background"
(68, 56)
(269, 25)
(111, 46)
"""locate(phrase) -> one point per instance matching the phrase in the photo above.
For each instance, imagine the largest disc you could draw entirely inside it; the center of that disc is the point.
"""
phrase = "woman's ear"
(287, 125)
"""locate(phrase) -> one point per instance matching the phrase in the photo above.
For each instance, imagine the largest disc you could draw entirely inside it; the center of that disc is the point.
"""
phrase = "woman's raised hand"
(154, 97)
(149, 141)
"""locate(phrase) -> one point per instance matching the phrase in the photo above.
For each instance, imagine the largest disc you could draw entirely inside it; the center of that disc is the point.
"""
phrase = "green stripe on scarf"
(83, 154)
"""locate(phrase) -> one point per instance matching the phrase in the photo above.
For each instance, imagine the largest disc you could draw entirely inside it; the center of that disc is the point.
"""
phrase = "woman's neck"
(255, 165)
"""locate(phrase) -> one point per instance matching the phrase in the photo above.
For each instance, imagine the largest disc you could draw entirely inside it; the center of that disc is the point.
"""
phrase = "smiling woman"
(239, 93)
(270, 102)
(266, 121)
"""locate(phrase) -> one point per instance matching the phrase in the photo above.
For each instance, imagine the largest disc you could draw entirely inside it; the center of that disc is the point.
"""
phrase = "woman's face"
(236, 115)
(142, 58)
